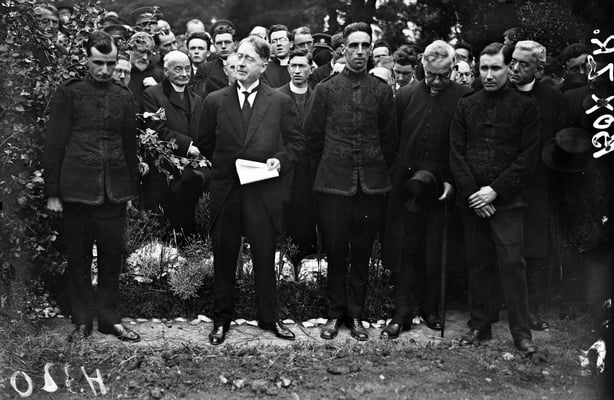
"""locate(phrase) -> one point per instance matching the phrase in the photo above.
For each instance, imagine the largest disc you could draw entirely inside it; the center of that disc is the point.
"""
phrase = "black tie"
(246, 110)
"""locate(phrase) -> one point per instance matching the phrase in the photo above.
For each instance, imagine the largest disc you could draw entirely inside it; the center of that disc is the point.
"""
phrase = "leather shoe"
(358, 331)
(433, 322)
(537, 324)
(391, 331)
(525, 345)
(80, 332)
(475, 336)
(330, 329)
(218, 334)
(120, 331)
(278, 328)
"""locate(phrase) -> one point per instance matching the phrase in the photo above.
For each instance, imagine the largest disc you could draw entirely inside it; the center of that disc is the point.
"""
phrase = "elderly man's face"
(122, 71)
(178, 71)
(48, 23)
(523, 67)
(230, 68)
(493, 72)
(140, 59)
(250, 65)
(437, 74)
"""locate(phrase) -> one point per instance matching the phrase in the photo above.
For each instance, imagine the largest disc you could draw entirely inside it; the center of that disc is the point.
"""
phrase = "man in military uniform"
(90, 174)
(350, 129)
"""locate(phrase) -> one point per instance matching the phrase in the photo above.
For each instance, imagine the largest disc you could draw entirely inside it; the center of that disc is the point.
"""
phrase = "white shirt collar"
(527, 87)
(242, 88)
(298, 90)
(178, 89)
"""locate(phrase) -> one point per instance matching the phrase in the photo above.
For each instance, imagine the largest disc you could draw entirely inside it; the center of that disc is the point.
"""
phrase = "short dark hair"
(278, 28)
(302, 30)
(357, 27)
(574, 50)
(222, 29)
(492, 49)
(199, 35)
(101, 41)
(301, 53)
(262, 47)
(466, 46)
(404, 57)
(381, 43)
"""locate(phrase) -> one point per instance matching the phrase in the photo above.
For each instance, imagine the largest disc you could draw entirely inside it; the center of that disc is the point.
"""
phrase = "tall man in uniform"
(350, 129)
(90, 175)
(249, 121)
(494, 140)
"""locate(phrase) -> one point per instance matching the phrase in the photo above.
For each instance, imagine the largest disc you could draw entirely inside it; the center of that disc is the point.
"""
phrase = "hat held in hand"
(423, 187)
(569, 151)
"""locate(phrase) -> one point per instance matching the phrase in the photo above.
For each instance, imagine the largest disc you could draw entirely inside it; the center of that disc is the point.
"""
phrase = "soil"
(175, 361)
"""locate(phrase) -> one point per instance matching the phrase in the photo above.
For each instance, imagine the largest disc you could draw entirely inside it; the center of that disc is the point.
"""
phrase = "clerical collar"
(178, 89)
(298, 90)
(250, 88)
(527, 87)
(284, 62)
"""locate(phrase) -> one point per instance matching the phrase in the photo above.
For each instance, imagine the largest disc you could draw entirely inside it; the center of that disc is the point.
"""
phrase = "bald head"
(174, 57)
(177, 68)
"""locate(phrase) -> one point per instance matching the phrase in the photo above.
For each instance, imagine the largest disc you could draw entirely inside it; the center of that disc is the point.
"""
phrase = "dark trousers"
(85, 225)
(495, 245)
(420, 264)
(348, 224)
(244, 213)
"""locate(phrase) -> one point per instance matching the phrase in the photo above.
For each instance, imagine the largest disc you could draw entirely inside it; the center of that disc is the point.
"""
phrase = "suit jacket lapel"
(234, 112)
(259, 108)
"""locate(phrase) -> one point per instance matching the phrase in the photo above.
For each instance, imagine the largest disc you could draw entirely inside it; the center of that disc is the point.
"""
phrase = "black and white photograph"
(306, 199)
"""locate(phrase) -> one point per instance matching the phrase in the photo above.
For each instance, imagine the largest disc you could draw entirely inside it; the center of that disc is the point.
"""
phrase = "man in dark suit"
(542, 238)
(276, 74)
(90, 174)
(254, 122)
(179, 197)
(299, 212)
(210, 76)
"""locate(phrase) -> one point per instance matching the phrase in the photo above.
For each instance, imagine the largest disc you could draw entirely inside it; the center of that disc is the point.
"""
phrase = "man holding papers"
(243, 123)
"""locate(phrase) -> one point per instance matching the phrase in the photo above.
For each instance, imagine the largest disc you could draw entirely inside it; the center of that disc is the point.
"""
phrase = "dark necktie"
(246, 110)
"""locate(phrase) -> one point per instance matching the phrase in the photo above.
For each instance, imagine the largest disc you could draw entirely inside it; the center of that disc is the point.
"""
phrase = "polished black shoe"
(526, 345)
(218, 334)
(358, 331)
(433, 322)
(475, 336)
(537, 324)
(120, 331)
(81, 331)
(391, 331)
(278, 328)
(330, 329)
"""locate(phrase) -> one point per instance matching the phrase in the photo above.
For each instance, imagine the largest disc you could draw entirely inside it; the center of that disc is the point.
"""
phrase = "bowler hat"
(422, 187)
(569, 151)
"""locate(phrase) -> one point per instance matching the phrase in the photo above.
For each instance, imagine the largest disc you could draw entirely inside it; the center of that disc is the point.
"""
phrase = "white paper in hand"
(253, 171)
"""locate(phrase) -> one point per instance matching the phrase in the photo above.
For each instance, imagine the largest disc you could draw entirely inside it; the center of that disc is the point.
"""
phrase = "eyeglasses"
(432, 76)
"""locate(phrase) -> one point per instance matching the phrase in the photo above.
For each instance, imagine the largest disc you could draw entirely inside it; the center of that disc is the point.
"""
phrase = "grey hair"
(537, 50)
(174, 56)
(438, 50)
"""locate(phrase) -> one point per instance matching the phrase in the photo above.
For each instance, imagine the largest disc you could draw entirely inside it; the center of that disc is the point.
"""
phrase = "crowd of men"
(365, 141)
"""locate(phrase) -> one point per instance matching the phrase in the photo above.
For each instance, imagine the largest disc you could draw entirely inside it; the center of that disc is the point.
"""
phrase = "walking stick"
(444, 261)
